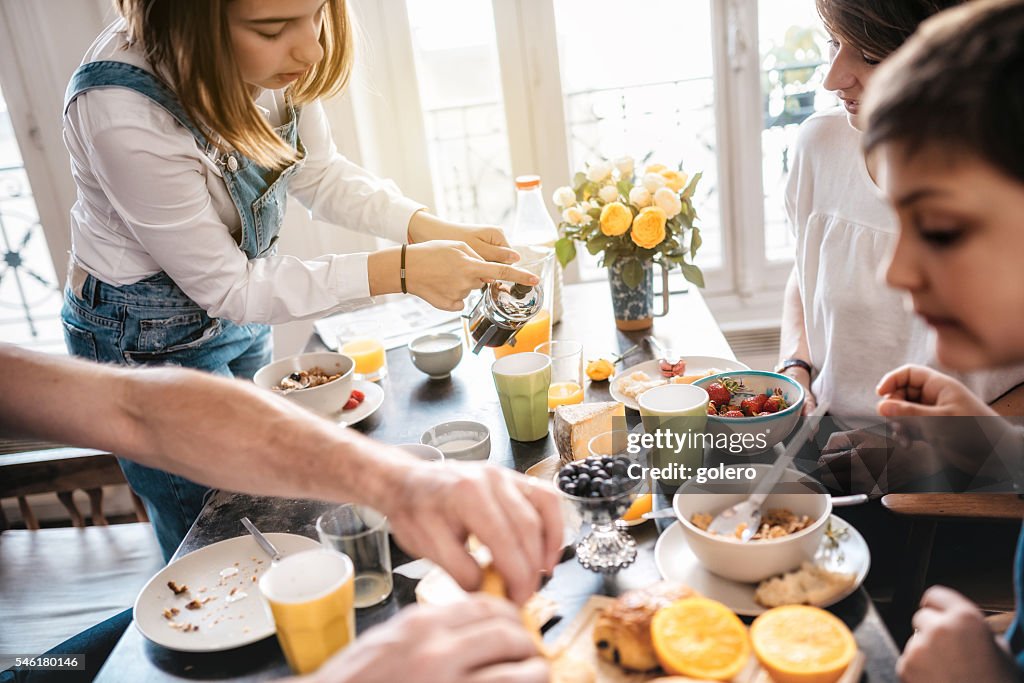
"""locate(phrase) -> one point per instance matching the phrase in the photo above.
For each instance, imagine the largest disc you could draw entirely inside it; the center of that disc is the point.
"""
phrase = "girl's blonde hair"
(190, 42)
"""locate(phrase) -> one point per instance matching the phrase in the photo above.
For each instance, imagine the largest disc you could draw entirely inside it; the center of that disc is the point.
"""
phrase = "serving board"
(576, 645)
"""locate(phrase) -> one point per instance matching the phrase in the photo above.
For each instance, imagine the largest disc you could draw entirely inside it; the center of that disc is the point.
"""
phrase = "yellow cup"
(310, 596)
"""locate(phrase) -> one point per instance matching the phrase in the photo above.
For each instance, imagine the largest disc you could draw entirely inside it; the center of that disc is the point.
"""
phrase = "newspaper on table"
(402, 319)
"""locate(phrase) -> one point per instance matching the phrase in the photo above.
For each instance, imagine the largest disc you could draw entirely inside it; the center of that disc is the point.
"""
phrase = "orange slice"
(802, 644)
(700, 638)
(641, 505)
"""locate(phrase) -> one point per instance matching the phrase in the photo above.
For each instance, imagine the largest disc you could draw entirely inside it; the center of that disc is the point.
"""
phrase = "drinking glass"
(566, 372)
(361, 533)
(363, 342)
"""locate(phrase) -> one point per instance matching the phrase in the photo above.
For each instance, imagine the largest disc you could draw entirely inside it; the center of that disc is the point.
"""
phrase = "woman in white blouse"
(189, 123)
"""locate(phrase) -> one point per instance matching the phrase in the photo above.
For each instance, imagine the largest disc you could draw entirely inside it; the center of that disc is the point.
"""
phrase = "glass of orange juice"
(363, 342)
(566, 372)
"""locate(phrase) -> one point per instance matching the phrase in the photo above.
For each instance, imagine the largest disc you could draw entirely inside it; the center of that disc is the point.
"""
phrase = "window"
(543, 86)
(30, 300)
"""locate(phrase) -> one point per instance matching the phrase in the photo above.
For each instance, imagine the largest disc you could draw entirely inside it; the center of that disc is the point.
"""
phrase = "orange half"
(802, 644)
(700, 638)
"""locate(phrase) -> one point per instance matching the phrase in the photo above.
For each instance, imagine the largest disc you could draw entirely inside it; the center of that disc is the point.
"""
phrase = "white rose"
(668, 201)
(625, 166)
(639, 197)
(564, 197)
(653, 181)
(608, 193)
(573, 216)
(598, 171)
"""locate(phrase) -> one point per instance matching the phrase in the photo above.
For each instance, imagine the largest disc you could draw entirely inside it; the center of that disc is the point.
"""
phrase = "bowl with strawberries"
(764, 405)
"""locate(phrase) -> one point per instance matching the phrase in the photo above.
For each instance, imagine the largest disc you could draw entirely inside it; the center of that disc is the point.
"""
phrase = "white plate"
(222, 625)
(677, 563)
(374, 398)
(695, 365)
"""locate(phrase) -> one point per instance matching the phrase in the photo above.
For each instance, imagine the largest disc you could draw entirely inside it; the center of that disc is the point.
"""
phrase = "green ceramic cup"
(522, 381)
(682, 411)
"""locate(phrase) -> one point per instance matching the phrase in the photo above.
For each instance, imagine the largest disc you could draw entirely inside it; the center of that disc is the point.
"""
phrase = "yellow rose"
(655, 168)
(649, 227)
(615, 219)
(600, 369)
(674, 179)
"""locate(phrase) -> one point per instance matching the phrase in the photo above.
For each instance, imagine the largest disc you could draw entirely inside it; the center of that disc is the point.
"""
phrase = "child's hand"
(952, 643)
(914, 390)
(443, 273)
(486, 240)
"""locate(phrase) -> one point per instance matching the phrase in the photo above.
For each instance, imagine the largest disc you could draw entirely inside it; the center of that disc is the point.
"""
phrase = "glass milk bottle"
(534, 233)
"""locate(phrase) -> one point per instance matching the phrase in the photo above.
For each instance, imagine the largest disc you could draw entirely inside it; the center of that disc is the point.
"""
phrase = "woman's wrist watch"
(795, 363)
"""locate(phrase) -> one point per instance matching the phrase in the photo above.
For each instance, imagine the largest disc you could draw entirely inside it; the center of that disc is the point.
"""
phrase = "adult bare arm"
(793, 338)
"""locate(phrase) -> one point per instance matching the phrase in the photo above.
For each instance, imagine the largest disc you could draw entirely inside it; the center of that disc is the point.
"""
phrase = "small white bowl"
(460, 439)
(423, 451)
(436, 354)
(754, 561)
(327, 399)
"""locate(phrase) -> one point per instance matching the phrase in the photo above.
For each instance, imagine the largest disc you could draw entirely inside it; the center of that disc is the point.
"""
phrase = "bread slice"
(809, 585)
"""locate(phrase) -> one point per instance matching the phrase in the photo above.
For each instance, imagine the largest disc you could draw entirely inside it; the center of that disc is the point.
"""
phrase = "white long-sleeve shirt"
(150, 199)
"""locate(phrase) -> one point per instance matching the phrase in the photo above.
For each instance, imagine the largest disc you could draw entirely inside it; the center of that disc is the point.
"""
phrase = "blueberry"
(583, 479)
(295, 377)
(622, 460)
(618, 469)
(609, 488)
(570, 488)
(594, 494)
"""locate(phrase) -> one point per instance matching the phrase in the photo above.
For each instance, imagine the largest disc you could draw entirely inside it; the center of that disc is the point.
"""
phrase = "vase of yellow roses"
(634, 221)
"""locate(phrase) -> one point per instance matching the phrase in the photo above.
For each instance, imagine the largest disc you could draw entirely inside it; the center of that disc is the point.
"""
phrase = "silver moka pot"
(501, 311)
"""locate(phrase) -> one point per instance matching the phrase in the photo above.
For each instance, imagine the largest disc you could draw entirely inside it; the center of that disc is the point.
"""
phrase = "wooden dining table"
(412, 404)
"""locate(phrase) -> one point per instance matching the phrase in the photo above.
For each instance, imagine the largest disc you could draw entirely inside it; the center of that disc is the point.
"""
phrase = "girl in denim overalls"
(189, 122)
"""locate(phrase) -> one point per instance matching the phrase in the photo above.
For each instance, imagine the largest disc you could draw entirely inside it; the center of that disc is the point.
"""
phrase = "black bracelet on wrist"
(402, 271)
(795, 363)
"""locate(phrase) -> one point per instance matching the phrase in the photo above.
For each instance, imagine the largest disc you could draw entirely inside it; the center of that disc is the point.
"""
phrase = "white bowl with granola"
(794, 518)
(320, 381)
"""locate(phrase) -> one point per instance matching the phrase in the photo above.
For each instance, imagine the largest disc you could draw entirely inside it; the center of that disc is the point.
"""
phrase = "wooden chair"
(31, 467)
(926, 510)
(55, 583)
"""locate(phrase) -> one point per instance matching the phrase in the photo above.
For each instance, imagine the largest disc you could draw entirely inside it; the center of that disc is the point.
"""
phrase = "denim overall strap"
(111, 74)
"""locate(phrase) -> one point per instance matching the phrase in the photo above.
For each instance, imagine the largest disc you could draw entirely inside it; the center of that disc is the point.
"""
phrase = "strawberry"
(775, 404)
(753, 405)
(351, 403)
(718, 393)
(358, 395)
(733, 413)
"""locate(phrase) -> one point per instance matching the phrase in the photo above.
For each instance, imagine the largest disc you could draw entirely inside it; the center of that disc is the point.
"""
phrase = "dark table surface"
(412, 404)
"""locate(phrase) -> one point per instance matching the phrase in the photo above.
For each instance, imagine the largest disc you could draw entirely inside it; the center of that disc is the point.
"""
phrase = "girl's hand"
(952, 643)
(914, 390)
(486, 240)
(443, 273)
(479, 640)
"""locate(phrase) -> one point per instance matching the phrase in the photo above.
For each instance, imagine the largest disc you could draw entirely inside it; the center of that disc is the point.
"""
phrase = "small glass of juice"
(363, 342)
(566, 372)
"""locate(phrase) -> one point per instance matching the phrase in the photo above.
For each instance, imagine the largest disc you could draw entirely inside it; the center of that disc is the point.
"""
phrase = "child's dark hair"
(877, 27)
(958, 83)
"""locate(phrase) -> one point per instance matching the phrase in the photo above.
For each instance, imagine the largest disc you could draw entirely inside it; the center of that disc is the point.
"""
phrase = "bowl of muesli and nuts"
(794, 518)
(319, 381)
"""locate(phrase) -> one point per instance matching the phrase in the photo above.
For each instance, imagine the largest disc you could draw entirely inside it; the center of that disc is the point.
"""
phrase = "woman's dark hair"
(877, 27)
(958, 83)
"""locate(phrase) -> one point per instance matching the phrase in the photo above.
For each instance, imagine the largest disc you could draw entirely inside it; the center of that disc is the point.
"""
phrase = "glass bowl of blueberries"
(601, 489)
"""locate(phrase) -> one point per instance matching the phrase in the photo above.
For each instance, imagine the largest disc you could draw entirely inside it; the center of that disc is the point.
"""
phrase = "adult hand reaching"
(435, 509)
(481, 640)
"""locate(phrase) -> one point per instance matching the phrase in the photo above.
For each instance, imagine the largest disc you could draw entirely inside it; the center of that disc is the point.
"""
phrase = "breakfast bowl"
(325, 399)
(754, 560)
(460, 439)
(436, 354)
(751, 434)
